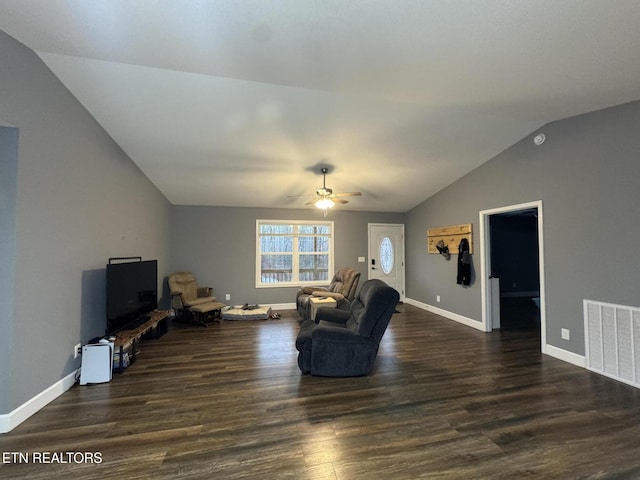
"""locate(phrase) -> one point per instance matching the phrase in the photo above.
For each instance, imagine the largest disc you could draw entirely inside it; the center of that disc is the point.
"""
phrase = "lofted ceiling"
(241, 102)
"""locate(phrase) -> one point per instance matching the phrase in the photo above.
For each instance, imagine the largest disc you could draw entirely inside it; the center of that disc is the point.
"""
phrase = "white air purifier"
(97, 363)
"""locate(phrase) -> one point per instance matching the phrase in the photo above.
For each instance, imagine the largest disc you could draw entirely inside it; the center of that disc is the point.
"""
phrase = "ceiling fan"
(324, 197)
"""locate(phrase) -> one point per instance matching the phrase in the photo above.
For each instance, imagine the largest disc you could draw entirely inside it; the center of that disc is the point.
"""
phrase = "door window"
(386, 255)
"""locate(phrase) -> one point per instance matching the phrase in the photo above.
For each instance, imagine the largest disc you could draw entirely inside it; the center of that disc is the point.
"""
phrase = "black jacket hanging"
(464, 263)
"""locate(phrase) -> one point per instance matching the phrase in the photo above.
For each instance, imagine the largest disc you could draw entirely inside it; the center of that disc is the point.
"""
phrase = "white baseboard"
(559, 353)
(569, 357)
(282, 306)
(469, 322)
(11, 420)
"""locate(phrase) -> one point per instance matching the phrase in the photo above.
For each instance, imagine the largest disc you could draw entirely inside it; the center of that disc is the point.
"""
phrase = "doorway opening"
(512, 266)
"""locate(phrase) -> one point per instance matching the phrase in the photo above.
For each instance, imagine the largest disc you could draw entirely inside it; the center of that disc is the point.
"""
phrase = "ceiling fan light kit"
(325, 203)
(324, 198)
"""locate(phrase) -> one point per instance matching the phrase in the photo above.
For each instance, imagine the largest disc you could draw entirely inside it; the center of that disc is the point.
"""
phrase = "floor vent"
(612, 341)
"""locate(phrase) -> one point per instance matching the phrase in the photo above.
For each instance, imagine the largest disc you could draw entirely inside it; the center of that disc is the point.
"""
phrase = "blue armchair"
(343, 343)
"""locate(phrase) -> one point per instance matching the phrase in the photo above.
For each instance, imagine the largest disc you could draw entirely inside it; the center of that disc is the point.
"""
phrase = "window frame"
(295, 282)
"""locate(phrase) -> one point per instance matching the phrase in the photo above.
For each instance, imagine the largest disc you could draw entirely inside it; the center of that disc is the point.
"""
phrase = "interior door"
(386, 254)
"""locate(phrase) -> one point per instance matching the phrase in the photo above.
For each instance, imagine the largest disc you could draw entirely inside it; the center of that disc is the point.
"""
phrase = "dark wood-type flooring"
(444, 401)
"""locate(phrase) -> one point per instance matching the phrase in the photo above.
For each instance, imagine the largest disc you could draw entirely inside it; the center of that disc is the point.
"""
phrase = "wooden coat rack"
(451, 237)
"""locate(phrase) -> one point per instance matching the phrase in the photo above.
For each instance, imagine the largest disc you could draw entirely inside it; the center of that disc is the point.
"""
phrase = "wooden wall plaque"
(451, 237)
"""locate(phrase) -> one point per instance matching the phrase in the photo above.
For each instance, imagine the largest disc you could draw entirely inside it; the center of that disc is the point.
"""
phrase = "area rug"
(238, 313)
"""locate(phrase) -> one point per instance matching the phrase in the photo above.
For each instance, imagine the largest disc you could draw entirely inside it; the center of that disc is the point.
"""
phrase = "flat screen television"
(132, 293)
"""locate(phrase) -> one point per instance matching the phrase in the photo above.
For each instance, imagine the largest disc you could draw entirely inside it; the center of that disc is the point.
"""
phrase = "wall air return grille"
(612, 341)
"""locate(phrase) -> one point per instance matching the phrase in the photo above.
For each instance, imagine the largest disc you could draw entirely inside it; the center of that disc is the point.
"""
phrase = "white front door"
(386, 254)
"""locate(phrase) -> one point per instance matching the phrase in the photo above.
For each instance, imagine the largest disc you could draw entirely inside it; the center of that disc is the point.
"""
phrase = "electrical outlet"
(565, 334)
(438, 298)
(227, 296)
(77, 350)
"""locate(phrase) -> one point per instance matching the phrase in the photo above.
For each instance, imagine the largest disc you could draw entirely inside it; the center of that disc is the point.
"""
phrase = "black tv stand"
(153, 325)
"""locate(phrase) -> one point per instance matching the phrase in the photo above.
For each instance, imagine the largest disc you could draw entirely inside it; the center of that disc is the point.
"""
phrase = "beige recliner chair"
(342, 289)
(185, 293)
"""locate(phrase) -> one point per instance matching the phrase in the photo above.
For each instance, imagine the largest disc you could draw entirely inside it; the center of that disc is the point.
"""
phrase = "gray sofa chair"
(342, 289)
(345, 343)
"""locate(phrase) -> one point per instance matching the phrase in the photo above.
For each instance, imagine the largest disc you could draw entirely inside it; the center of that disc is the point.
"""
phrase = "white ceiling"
(239, 102)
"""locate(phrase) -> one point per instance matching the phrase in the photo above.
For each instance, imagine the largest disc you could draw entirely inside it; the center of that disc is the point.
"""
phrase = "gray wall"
(79, 201)
(218, 245)
(586, 174)
(8, 184)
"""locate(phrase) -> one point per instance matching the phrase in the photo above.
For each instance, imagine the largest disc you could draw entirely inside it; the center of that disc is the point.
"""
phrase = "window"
(292, 253)
(386, 255)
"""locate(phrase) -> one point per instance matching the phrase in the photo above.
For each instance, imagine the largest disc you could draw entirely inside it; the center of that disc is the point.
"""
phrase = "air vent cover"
(612, 340)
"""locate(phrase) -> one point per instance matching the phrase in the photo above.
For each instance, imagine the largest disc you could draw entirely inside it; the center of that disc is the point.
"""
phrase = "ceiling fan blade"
(346, 194)
(312, 201)
(339, 200)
